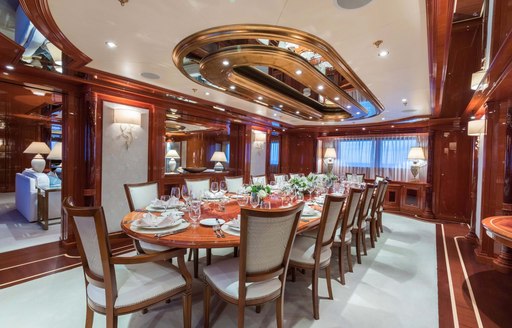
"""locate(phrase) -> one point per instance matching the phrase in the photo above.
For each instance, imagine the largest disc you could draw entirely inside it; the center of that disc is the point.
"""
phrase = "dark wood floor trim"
(445, 309)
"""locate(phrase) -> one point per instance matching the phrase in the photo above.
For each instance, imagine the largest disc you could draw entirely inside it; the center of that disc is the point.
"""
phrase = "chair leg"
(379, 220)
(187, 309)
(241, 314)
(358, 245)
(208, 256)
(258, 308)
(206, 305)
(377, 230)
(111, 319)
(340, 263)
(279, 311)
(190, 251)
(293, 274)
(196, 262)
(316, 301)
(89, 317)
(235, 251)
(363, 241)
(372, 233)
(328, 280)
(349, 258)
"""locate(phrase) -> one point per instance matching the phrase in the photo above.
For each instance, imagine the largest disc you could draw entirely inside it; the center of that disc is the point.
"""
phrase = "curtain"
(274, 156)
(377, 155)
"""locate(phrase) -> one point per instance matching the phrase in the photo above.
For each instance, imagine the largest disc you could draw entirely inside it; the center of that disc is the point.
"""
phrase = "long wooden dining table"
(199, 236)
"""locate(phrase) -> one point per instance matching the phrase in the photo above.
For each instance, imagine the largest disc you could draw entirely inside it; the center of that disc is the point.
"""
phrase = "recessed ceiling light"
(383, 118)
(358, 113)
(232, 87)
(473, 117)
(392, 126)
(260, 98)
(111, 44)
(280, 106)
(284, 130)
(342, 119)
(225, 62)
(336, 129)
(297, 112)
(275, 114)
(310, 117)
(364, 129)
(5, 73)
(348, 106)
(320, 87)
(404, 100)
(336, 98)
(323, 123)
(383, 53)
(207, 93)
(219, 108)
(9, 67)
(298, 72)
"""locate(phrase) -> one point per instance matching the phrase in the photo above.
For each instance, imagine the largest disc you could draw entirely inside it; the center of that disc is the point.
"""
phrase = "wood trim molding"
(10, 51)
(39, 14)
(439, 27)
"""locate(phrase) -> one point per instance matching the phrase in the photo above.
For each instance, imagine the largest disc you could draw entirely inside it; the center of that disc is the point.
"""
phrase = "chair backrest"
(348, 176)
(331, 217)
(140, 195)
(366, 201)
(295, 175)
(378, 199)
(280, 178)
(197, 187)
(93, 245)
(360, 177)
(266, 238)
(351, 211)
(378, 179)
(261, 179)
(234, 183)
(383, 196)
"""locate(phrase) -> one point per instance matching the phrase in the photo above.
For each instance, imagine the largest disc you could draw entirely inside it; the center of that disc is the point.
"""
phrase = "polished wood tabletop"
(499, 228)
(203, 236)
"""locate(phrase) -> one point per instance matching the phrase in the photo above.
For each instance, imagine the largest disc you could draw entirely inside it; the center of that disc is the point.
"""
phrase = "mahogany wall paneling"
(156, 153)
(10, 51)
(196, 150)
(502, 24)
(507, 178)
(430, 175)
(284, 159)
(170, 180)
(412, 198)
(302, 155)
(237, 148)
(452, 172)
(392, 199)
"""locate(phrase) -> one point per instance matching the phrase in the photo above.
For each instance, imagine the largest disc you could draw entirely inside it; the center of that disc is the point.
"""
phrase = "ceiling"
(146, 34)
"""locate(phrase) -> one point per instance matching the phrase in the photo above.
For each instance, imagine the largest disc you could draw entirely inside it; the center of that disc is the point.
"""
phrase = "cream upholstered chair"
(259, 274)
(197, 186)
(315, 253)
(343, 236)
(380, 209)
(261, 179)
(120, 285)
(376, 207)
(356, 177)
(140, 195)
(295, 175)
(280, 178)
(378, 179)
(234, 183)
(358, 231)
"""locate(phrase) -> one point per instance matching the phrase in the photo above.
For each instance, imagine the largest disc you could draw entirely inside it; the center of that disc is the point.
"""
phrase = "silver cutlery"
(219, 229)
(216, 230)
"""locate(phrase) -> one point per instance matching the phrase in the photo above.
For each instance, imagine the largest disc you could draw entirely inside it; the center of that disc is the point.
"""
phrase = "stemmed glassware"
(195, 211)
(255, 199)
(185, 193)
(175, 193)
(242, 200)
(223, 187)
(214, 187)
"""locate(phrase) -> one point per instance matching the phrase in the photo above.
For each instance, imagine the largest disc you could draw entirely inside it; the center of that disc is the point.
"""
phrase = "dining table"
(198, 236)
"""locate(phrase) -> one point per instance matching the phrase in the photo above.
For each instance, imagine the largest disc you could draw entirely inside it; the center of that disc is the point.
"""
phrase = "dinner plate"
(234, 227)
(315, 213)
(210, 222)
(138, 223)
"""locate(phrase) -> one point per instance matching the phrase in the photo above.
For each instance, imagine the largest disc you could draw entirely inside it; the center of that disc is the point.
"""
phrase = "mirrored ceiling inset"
(284, 69)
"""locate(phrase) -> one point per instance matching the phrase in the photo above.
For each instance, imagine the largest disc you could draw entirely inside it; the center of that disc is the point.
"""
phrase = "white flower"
(248, 189)
(262, 193)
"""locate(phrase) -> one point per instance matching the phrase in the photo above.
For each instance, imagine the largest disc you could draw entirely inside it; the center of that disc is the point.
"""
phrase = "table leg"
(196, 263)
(503, 263)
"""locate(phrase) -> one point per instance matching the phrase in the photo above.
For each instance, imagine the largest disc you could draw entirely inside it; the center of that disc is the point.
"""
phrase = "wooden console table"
(499, 228)
(43, 199)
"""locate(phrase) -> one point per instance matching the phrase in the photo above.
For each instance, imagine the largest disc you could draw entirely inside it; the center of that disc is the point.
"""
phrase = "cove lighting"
(219, 108)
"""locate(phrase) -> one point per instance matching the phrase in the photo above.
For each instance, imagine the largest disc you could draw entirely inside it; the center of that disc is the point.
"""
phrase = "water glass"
(242, 200)
(195, 211)
(165, 201)
(185, 193)
(265, 205)
(255, 199)
(214, 187)
(175, 193)
(223, 187)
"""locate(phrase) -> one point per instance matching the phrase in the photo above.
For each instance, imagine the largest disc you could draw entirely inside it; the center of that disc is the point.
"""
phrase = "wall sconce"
(38, 163)
(477, 127)
(172, 154)
(259, 139)
(417, 156)
(329, 156)
(476, 80)
(127, 119)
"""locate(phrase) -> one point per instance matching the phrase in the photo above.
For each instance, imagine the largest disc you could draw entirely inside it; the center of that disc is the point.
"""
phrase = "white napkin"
(150, 220)
(308, 210)
(235, 223)
(158, 203)
(173, 201)
(210, 194)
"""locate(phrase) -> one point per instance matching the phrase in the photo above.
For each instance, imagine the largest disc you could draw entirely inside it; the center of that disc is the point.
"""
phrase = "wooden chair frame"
(108, 281)
(279, 271)
(377, 203)
(317, 266)
(358, 232)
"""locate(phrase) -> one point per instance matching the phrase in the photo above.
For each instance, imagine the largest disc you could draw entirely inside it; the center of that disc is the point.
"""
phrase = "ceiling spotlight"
(323, 123)
(5, 73)
(342, 119)
(232, 87)
(358, 113)
(383, 53)
(207, 93)
(275, 114)
(320, 87)
(284, 130)
(364, 129)
(311, 117)
(383, 118)
(297, 112)
(260, 98)
(225, 62)
(280, 106)
(473, 117)
(404, 101)
(392, 126)
(336, 129)
(298, 72)
(348, 106)
(9, 67)
(111, 44)
(336, 98)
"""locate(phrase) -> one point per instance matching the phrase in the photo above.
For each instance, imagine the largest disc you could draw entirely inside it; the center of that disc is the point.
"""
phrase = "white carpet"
(396, 286)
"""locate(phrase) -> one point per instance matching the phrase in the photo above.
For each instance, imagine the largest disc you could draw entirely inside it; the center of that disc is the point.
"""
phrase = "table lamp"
(416, 155)
(329, 156)
(38, 163)
(219, 157)
(172, 154)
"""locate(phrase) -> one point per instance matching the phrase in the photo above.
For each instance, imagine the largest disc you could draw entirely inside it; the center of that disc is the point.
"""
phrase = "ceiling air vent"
(352, 4)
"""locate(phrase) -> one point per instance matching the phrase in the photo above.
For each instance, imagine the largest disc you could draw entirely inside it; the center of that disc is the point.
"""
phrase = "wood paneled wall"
(299, 153)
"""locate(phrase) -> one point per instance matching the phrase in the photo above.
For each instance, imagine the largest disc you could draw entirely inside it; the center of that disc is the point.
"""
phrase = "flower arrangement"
(262, 190)
(300, 183)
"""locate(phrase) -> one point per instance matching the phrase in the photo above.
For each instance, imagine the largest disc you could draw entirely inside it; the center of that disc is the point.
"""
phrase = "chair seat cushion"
(337, 238)
(313, 233)
(152, 248)
(137, 283)
(303, 250)
(223, 276)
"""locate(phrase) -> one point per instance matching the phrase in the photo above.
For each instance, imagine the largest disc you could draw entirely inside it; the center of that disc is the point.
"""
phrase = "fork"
(219, 229)
(216, 230)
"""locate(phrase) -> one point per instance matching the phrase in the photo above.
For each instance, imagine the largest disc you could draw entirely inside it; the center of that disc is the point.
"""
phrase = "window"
(274, 153)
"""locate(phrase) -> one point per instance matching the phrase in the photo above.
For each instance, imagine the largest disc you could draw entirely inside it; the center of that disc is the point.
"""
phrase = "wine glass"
(223, 187)
(255, 199)
(185, 193)
(293, 196)
(265, 205)
(195, 211)
(165, 201)
(214, 187)
(175, 193)
(242, 200)
(300, 197)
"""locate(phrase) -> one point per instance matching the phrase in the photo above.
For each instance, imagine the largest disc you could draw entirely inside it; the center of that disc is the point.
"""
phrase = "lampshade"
(477, 127)
(330, 153)
(416, 153)
(37, 147)
(476, 78)
(219, 156)
(127, 116)
(172, 154)
(56, 152)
